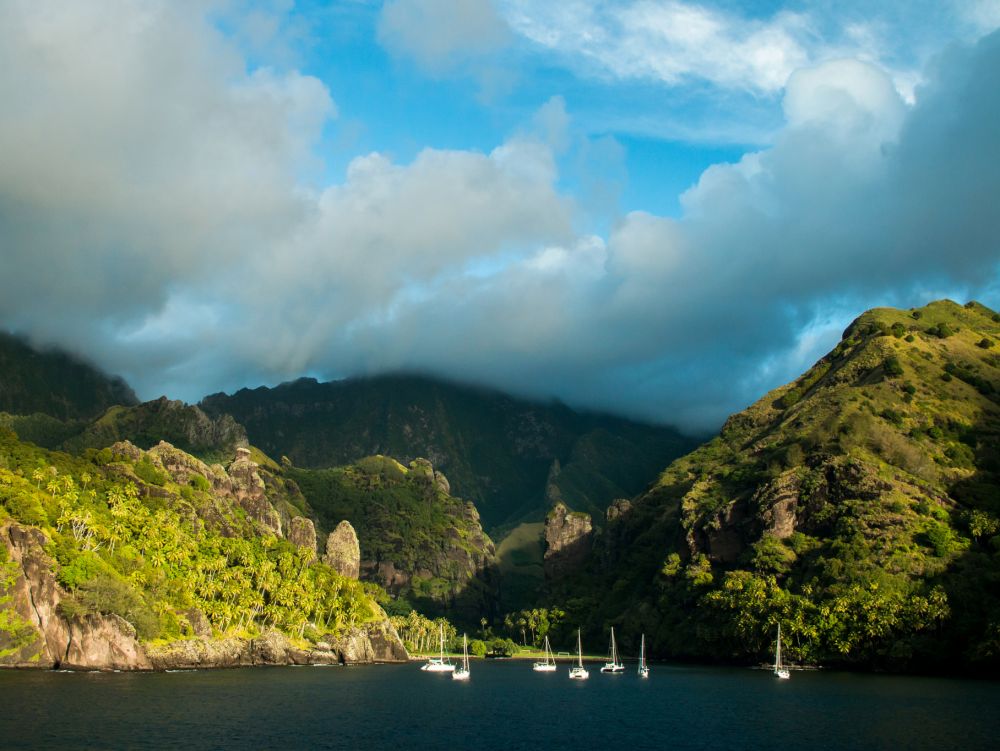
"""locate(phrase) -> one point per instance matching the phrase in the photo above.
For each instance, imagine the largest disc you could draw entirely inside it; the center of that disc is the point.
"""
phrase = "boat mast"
(579, 649)
(777, 652)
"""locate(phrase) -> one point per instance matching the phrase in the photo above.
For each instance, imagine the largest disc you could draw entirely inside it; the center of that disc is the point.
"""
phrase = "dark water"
(504, 706)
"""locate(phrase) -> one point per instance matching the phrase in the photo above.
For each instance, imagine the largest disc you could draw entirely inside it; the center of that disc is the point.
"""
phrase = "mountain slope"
(859, 507)
(133, 559)
(417, 540)
(54, 383)
(500, 451)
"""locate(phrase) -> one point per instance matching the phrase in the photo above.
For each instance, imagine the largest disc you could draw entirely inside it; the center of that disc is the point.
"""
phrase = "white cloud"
(154, 216)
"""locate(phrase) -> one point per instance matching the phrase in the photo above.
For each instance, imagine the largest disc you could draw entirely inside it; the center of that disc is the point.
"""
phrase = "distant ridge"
(511, 456)
(55, 383)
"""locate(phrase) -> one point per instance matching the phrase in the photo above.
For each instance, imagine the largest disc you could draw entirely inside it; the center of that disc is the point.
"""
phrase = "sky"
(659, 208)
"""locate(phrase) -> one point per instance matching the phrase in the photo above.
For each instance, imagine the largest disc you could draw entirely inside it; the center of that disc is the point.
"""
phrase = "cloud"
(158, 211)
(441, 34)
(138, 156)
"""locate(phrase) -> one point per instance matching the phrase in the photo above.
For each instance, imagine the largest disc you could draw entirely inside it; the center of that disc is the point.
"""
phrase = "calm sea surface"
(504, 706)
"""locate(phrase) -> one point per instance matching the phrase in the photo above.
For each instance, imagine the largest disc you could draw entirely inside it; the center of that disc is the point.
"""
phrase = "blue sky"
(656, 207)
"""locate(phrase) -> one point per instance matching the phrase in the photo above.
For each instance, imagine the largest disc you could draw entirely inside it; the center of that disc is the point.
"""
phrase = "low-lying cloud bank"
(158, 213)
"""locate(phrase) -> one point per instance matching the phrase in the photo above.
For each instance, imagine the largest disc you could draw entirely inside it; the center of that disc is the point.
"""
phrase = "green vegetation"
(495, 449)
(127, 539)
(433, 544)
(857, 509)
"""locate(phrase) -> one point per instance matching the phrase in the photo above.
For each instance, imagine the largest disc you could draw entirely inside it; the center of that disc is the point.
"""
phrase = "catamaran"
(548, 665)
(614, 664)
(578, 671)
(439, 664)
(462, 674)
(779, 671)
(643, 667)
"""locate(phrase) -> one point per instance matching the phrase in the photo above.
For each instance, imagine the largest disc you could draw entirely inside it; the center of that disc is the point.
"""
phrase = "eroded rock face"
(568, 537)
(302, 532)
(97, 642)
(373, 642)
(249, 491)
(343, 552)
(618, 508)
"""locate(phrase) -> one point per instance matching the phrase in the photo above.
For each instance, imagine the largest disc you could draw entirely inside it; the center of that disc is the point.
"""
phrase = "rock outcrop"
(249, 491)
(302, 532)
(373, 642)
(95, 642)
(343, 552)
(568, 538)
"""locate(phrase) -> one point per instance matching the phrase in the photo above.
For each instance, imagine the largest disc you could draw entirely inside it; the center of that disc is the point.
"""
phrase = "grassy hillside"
(858, 506)
(519, 559)
(495, 449)
(54, 383)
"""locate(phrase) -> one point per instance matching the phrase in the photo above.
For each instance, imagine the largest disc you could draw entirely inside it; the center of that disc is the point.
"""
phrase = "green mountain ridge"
(858, 506)
(512, 457)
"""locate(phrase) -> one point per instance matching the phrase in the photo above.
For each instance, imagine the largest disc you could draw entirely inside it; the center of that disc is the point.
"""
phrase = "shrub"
(200, 483)
(985, 343)
(898, 330)
(892, 366)
(916, 314)
(477, 647)
(146, 471)
(909, 337)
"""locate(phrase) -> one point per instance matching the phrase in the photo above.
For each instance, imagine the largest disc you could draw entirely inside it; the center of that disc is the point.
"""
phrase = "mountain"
(858, 506)
(54, 383)
(514, 458)
(133, 559)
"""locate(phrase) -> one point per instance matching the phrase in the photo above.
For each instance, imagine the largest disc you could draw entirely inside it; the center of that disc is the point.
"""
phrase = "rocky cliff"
(36, 632)
(568, 537)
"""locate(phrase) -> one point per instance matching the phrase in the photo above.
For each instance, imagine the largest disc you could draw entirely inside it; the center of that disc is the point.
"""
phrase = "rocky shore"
(38, 635)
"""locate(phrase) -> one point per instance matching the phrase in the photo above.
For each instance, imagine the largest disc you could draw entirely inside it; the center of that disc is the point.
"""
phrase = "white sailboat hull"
(579, 674)
(542, 667)
(460, 675)
(438, 667)
(612, 668)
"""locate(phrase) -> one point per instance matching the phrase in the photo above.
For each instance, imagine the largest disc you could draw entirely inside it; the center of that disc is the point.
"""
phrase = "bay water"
(504, 706)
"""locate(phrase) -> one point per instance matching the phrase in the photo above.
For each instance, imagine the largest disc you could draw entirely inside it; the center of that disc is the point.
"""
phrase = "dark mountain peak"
(495, 448)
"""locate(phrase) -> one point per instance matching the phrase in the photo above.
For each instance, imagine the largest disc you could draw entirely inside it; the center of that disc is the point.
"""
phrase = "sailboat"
(578, 671)
(643, 667)
(462, 674)
(614, 664)
(548, 665)
(779, 671)
(439, 664)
